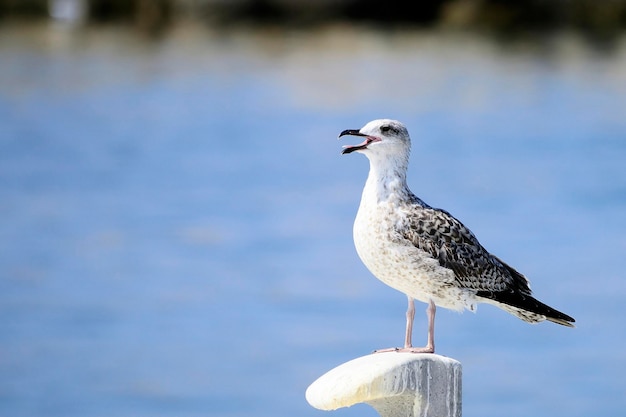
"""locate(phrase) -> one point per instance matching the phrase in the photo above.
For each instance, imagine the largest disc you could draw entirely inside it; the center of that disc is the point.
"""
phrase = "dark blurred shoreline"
(595, 18)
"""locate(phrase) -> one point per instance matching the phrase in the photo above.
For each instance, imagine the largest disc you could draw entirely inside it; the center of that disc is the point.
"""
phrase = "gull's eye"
(388, 128)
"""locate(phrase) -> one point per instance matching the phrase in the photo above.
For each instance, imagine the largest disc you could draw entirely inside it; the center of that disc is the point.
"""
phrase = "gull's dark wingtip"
(526, 303)
(555, 316)
(566, 323)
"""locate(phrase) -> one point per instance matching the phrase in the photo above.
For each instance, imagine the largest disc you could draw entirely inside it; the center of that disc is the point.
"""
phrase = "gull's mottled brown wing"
(446, 239)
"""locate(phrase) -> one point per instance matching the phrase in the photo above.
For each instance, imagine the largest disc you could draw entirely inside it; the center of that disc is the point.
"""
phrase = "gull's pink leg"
(410, 315)
(430, 312)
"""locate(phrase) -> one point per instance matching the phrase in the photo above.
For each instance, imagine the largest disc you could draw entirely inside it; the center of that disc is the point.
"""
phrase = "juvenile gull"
(425, 252)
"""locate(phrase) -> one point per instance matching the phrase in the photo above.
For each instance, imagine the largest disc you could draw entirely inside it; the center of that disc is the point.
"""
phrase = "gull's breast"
(398, 263)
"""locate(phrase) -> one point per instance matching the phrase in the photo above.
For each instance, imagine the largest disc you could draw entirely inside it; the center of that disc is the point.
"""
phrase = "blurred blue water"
(175, 233)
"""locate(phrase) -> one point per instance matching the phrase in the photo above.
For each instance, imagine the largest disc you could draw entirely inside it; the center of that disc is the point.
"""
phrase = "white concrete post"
(395, 384)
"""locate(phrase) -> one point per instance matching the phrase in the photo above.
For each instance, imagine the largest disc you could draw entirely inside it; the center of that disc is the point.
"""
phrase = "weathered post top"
(395, 384)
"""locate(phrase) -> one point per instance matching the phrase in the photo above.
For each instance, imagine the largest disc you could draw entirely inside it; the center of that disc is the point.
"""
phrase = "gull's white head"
(383, 137)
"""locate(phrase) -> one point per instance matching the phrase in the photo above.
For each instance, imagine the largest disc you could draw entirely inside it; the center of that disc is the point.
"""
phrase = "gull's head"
(383, 137)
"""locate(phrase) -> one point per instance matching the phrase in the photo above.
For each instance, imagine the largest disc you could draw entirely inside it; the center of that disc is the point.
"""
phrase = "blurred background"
(176, 217)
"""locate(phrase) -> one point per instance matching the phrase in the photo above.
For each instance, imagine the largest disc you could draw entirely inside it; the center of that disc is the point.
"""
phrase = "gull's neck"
(386, 181)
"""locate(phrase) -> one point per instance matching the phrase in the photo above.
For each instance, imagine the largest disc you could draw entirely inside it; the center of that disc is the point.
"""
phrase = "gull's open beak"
(363, 145)
(351, 132)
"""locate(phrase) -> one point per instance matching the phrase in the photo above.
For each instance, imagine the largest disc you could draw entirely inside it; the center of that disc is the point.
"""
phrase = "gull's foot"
(408, 349)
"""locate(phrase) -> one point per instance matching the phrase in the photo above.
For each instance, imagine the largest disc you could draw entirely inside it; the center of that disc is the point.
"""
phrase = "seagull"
(425, 252)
